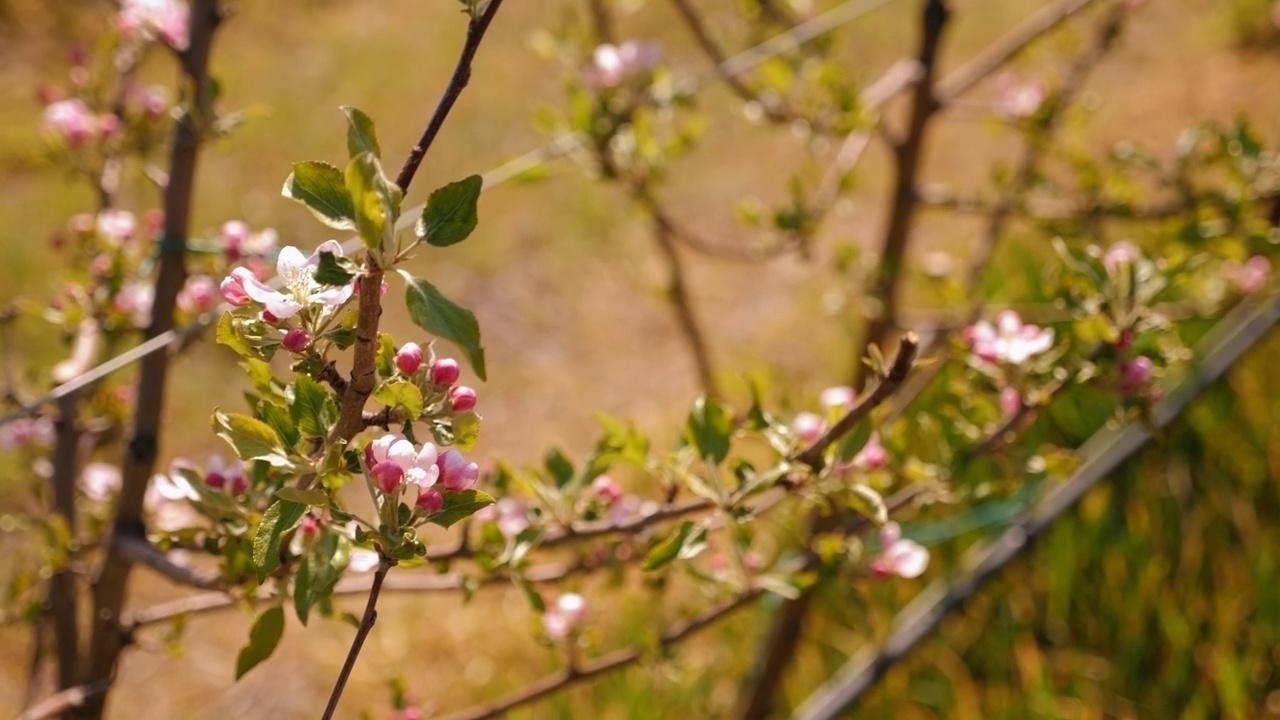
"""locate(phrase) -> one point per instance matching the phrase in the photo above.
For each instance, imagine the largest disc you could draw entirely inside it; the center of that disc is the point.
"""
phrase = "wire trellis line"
(738, 64)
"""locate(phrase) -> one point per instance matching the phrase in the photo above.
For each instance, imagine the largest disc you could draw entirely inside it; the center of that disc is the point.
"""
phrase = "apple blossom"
(565, 615)
(462, 398)
(899, 556)
(417, 466)
(1118, 255)
(232, 287)
(300, 287)
(872, 456)
(607, 488)
(362, 560)
(100, 480)
(808, 427)
(135, 300)
(1018, 100)
(199, 294)
(1009, 340)
(456, 473)
(24, 431)
(409, 358)
(116, 226)
(70, 120)
(445, 371)
(841, 396)
(168, 20)
(611, 65)
(225, 476)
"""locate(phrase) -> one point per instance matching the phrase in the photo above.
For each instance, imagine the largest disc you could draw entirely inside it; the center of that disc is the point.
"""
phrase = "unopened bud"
(430, 501)
(445, 371)
(387, 476)
(462, 398)
(409, 359)
(296, 340)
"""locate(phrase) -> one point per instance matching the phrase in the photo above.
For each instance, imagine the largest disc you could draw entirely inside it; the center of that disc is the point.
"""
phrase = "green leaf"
(263, 638)
(466, 430)
(400, 393)
(687, 541)
(450, 215)
(251, 438)
(558, 467)
(304, 497)
(322, 188)
(334, 270)
(360, 133)
(458, 506)
(708, 430)
(385, 360)
(853, 443)
(313, 409)
(440, 316)
(227, 334)
(280, 518)
(366, 185)
(281, 423)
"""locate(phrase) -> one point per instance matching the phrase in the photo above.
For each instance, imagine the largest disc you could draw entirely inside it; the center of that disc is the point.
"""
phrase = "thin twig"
(366, 624)
(137, 550)
(1236, 333)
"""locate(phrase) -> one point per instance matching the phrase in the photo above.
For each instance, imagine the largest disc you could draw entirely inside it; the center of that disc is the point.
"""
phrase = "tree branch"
(366, 625)
(65, 701)
(139, 551)
(106, 641)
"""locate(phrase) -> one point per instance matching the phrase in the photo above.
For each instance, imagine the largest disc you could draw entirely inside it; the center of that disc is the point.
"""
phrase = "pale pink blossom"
(199, 294)
(100, 480)
(456, 473)
(26, 431)
(232, 287)
(611, 65)
(417, 465)
(840, 396)
(565, 615)
(1018, 100)
(607, 489)
(808, 427)
(167, 20)
(1009, 340)
(238, 241)
(872, 456)
(116, 226)
(899, 556)
(297, 273)
(1121, 254)
(509, 514)
(1249, 278)
(135, 300)
(70, 120)
(1010, 401)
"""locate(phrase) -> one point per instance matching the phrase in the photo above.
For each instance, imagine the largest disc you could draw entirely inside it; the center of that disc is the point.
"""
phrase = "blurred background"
(1157, 598)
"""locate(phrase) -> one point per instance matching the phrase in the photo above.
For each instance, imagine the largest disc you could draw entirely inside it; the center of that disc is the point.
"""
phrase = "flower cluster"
(612, 65)
(148, 20)
(1009, 340)
(1018, 100)
(393, 462)
(563, 617)
(898, 555)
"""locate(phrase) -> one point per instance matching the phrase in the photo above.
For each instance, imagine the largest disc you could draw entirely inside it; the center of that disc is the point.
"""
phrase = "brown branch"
(602, 21)
(906, 165)
(366, 625)
(681, 301)
(605, 663)
(663, 218)
(140, 552)
(364, 371)
(64, 593)
(476, 30)
(109, 587)
(892, 379)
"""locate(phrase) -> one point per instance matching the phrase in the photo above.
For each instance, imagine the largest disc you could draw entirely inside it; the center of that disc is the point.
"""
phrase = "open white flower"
(298, 274)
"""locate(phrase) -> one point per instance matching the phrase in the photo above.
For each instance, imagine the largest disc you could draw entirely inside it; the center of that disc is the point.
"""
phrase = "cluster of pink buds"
(223, 476)
(899, 556)
(199, 295)
(563, 617)
(26, 431)
(238, 241)
(73, 123)
(612, 65)
(1009, 340)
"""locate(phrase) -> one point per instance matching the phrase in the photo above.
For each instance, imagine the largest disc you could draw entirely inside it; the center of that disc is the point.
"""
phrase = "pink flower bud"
(1119, 255)
(198, 295)
(387, 476)
(108, 126)
(296, 340)
(455, 472)
(232, 288)
(565, 615)
(1135, 375)
(445, 371)
(309, 527)
(808, 427)
(409, 358)
(462, 398)
(234, 235)
(269, 318)
(607, 488)
(215, 480)
(1010, 401)
(430, 501)
(71, 120)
